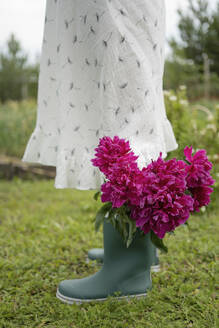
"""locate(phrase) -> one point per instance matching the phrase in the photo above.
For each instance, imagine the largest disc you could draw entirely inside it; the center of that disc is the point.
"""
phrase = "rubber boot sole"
(77, 301)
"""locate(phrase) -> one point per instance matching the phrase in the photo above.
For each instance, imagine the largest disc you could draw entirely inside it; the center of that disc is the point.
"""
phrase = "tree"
(194, 58)
(199, 32)
(14, 71)
(212, 42)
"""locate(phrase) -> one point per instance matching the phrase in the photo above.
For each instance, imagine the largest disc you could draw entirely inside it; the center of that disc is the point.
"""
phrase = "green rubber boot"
(125, 270)
(97, 254)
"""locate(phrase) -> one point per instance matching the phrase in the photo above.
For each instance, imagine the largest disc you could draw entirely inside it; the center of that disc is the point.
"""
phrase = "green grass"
(45, 234)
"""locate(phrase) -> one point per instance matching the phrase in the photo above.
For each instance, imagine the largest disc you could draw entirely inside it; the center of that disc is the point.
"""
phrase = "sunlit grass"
(45, 234)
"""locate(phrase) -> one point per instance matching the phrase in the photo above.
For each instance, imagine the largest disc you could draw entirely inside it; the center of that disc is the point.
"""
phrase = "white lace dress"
(101, 74)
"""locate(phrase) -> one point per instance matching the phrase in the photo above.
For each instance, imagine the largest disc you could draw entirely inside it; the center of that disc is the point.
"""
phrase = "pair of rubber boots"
(126, 272)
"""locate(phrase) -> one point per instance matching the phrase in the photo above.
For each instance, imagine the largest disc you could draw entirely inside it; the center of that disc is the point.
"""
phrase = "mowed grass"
(45, 234)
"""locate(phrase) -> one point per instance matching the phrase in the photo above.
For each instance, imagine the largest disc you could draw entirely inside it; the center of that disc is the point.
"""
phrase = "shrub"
(17, 120)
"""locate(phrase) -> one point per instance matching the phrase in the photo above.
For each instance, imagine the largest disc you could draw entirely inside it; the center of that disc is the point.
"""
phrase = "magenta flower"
(198, 170)
(171, 212)
(201, 196)
(119, 165)
(113, 154)
(163, 204)
(121, 182)
(111, 193)
(198, 177)
(157, 195)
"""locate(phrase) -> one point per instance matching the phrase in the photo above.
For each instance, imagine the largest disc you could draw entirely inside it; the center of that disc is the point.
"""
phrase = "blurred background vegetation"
(191, 83)
(193, 60)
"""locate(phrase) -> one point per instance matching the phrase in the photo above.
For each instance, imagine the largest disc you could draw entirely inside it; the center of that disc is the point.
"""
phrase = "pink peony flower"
(201, 196)
(156, 195)
(121, 181)
(163, 204)
(198, 177)
(165, 215)
(198, 170)
(112, 154)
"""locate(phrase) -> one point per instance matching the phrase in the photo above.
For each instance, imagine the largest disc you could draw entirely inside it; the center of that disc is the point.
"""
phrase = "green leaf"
(158, 242)
(111, 214)
(102, 214)
(132, 229)
(120, 220)
(96, 195)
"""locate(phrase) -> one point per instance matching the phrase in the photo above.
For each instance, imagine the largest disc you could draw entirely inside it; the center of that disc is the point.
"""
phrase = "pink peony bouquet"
(157, 198)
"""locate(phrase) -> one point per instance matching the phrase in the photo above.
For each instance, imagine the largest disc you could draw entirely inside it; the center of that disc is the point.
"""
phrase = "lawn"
(45, 234)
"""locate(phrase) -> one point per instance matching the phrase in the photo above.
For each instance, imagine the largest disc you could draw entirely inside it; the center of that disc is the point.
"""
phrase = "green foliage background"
(18, 78)
(45, 233)
(198, 28)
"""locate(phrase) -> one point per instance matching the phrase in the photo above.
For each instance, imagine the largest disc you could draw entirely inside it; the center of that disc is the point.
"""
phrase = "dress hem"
(74, 170)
